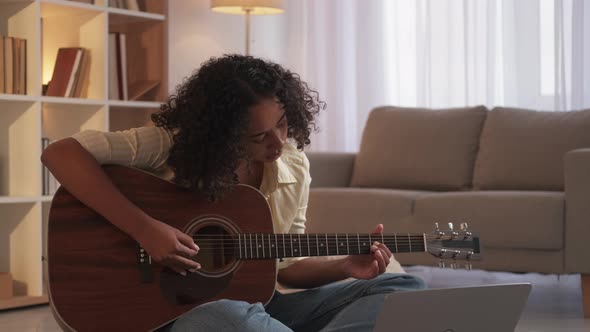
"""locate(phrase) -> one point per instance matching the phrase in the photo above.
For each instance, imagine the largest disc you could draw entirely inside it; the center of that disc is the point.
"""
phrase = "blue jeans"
(343, 306)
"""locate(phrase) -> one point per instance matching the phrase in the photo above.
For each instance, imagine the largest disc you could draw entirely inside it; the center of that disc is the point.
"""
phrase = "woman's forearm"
(78, 171)
(312, 272)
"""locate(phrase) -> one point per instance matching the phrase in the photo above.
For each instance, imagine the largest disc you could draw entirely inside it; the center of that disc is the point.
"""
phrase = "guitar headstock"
(454, 245)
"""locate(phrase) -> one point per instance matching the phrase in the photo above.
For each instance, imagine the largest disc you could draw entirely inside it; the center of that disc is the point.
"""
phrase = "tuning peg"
(441, 263)
(464, 226)
(437, 230)
(468, 266)
(454, 265)
(453, 233)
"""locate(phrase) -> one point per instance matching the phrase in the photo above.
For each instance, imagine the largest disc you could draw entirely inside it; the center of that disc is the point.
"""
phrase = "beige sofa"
(519, 178)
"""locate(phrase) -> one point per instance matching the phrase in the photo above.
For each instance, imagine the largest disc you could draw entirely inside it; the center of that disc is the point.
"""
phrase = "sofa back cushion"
(419, 148)
(525, 149)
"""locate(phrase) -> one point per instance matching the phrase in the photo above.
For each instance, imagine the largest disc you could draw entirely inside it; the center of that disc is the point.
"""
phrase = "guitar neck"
(264, 246)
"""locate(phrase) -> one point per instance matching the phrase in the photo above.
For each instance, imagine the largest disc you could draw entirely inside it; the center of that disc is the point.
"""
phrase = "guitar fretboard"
(263, 246)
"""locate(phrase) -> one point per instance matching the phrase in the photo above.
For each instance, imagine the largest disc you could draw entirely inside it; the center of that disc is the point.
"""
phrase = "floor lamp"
(248, 7)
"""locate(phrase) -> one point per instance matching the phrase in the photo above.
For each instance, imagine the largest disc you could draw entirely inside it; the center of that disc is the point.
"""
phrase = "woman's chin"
(273, 157)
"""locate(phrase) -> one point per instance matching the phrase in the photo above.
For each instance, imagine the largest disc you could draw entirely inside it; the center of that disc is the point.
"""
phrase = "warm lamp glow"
(248, 7)
(254, 7)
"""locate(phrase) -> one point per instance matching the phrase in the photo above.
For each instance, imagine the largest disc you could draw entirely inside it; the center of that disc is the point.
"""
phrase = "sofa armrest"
(577, 210)
(330, 169)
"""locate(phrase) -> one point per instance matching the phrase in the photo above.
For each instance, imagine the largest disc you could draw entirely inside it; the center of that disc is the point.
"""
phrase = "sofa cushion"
(419, 148)
(357, 210)
(525, 150)
(503, 219)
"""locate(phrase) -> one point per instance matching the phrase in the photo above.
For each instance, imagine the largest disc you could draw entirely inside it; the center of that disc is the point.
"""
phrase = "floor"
(555, 303)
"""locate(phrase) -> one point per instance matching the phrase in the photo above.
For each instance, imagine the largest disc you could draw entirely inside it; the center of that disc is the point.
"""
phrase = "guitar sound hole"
(218, 249)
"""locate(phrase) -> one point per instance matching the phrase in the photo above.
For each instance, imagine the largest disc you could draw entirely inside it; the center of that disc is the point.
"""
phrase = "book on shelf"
(8, 65)
(13, 65)
(2, 78)
(118, 86)
(80, 85)
(50, 183)
(67, 72)
(20, 66)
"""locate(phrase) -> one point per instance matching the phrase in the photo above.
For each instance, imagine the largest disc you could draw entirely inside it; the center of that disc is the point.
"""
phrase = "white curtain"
(359, 54)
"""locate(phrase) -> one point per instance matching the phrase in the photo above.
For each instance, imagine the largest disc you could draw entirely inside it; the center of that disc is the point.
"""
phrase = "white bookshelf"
(48, 25)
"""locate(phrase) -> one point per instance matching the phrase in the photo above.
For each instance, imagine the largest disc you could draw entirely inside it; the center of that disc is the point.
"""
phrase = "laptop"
(490, 308)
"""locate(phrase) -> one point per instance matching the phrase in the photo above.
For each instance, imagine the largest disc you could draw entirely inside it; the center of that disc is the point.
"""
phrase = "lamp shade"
(255, 7)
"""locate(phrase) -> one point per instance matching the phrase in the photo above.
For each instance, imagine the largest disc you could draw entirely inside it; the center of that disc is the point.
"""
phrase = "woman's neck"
(250, 173)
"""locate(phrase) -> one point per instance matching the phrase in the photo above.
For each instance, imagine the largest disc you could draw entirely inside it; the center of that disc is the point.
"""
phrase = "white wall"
(196, 33)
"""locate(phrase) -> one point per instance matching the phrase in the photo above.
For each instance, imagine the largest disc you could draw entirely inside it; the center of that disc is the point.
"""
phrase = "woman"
(237, 119)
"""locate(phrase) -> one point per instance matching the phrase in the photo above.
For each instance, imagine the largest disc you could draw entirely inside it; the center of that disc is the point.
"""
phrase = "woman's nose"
(277, 138)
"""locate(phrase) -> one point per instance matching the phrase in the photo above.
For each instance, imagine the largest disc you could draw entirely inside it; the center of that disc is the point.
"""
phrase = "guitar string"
(330, 235)
(351, 238)
(400, 235)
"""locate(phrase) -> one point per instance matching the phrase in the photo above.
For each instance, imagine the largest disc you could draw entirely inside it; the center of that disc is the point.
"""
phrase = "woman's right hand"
(168, 246)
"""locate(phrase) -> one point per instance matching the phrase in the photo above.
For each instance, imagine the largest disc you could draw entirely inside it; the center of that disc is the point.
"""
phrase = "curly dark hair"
(208, 116)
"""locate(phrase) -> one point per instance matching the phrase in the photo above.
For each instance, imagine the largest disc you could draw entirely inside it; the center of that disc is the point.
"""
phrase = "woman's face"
(267, 131)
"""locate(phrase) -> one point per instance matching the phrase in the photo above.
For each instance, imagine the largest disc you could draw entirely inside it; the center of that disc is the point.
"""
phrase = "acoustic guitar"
(100, 279)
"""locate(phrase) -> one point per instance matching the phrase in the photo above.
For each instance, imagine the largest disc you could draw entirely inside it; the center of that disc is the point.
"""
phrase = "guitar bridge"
(144, 264)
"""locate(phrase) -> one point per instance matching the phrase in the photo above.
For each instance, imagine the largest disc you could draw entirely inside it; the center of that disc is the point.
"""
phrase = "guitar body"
(99, 280)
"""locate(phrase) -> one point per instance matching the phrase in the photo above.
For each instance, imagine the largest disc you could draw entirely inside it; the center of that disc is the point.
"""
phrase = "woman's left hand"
(369, 266)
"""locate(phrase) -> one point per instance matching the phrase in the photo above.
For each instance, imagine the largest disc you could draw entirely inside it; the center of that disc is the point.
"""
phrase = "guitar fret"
(256, 241)
(327, 247)
(337, 251)
(308, 250)
(291, 243)
(269, 247)
(358, 239)
(299, 238)
(395, 239)
(240, 245)
(317, 243)
(262, 242)
(276, 246)
(284, 251)
(251, 251)
(347, 245)
(246, 246)
(410, 242)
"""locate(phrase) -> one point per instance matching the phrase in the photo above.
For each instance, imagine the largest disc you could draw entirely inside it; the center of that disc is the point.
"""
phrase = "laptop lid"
(493, 308)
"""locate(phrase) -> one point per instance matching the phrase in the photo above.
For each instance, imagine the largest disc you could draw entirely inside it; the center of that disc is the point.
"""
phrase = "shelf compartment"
(62, 120)
(21, 247)
(19, 19)
(76, 26)
(20, 147)
(147, 73)
(122, 118)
